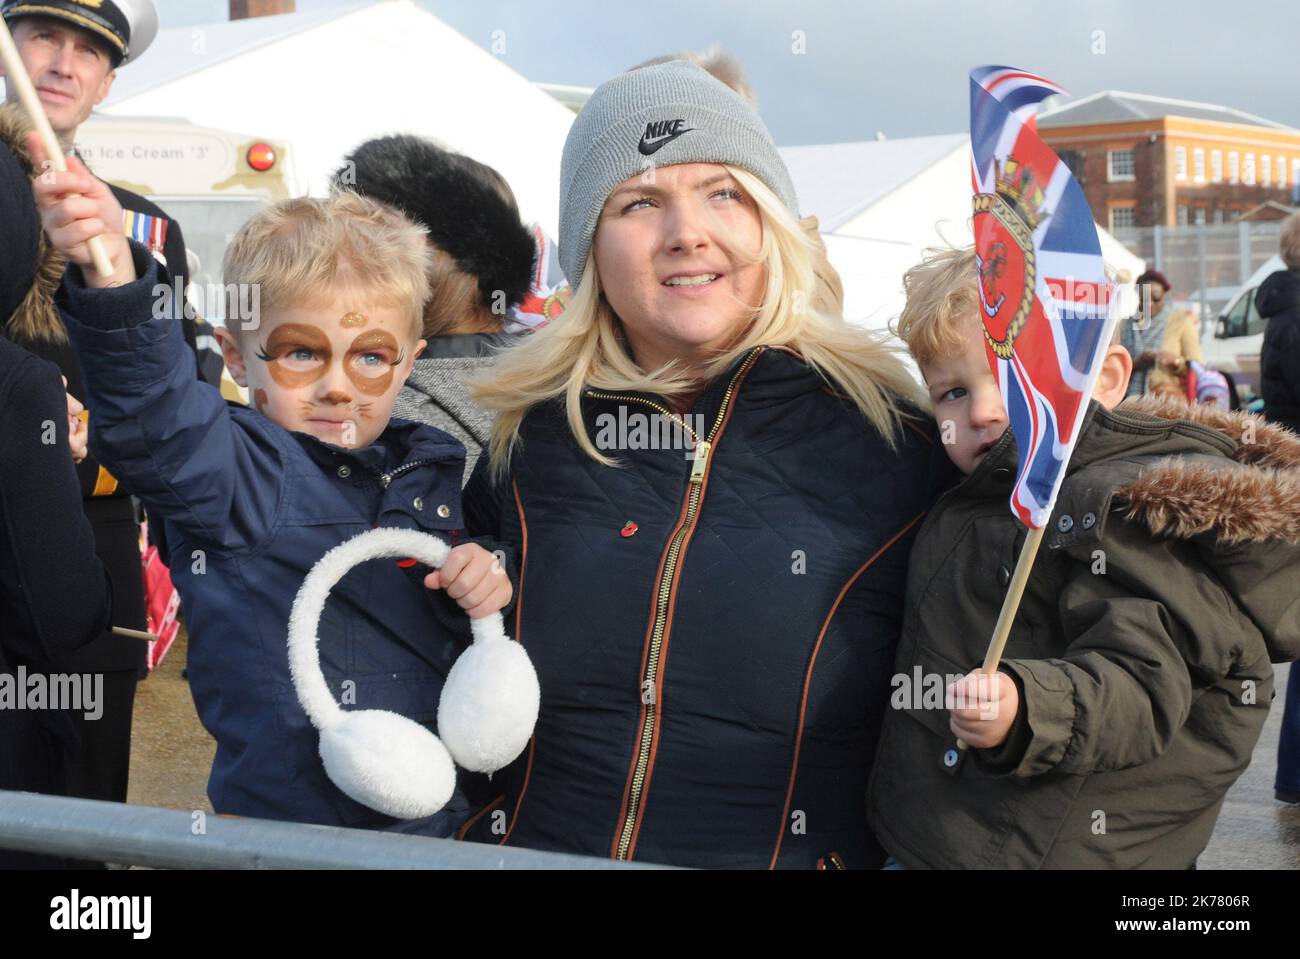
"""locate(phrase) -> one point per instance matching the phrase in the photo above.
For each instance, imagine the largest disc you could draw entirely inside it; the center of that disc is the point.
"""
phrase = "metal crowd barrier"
(173, 839)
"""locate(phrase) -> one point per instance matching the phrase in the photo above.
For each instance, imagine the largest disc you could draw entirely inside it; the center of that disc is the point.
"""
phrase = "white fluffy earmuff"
(382, 759)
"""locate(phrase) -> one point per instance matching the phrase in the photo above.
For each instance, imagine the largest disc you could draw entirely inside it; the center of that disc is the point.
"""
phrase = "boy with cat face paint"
(251, 498)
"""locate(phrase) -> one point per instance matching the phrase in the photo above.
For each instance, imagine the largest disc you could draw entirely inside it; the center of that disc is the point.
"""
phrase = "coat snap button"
(1004, 575)
(1065, 524)
(418, 503)
(444, 510)
(1089, 520)
(344, 471)
(950, 758)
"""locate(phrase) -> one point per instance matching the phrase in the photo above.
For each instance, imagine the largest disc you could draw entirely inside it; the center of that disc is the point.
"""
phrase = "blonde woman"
(711, 489)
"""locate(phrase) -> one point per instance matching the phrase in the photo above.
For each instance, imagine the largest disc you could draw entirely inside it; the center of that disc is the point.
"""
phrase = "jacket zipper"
(386, 478)
(695, 486)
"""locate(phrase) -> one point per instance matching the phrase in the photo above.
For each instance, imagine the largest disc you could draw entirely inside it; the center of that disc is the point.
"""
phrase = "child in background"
(489, 276)
(1137, 675)
(248, 499)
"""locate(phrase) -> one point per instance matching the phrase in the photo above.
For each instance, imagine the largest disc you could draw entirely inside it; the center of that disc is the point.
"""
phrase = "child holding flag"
(251, 497)
(1137, 675)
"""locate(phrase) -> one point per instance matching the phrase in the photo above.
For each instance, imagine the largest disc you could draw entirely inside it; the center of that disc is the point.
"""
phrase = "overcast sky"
(829, 71)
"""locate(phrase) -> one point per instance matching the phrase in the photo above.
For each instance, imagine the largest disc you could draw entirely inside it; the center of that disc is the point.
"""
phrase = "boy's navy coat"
(249, 507)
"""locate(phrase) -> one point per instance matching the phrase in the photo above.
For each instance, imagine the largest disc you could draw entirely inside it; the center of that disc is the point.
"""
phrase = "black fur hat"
(456, 198)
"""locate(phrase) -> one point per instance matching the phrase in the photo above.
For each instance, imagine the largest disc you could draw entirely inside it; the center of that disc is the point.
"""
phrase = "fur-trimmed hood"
(1252, 494)
(36, 317)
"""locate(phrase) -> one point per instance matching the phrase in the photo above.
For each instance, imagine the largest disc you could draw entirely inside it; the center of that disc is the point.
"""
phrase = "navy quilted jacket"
(714, 637)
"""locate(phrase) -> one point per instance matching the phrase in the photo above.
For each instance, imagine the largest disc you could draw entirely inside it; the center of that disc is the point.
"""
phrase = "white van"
(1239, 332)
(208, 180)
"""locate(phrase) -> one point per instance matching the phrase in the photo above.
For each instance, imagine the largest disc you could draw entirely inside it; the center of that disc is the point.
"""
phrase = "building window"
(1216, 166)
(1295, 173)
(1123, 218)
(1200, 216)
(1248, 169)
(1198, 165)
(1218, 215)
(1182, 216)
(1266, 170)
(1281, 171)
(1122, 164)
(1180, 163)
(1234, 167)
(1074, 161)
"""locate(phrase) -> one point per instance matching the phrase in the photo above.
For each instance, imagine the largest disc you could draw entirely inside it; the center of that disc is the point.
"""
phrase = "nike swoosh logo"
(648, 147)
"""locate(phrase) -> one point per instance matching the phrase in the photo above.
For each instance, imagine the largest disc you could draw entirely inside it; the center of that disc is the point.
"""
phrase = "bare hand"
(982, 708)
(78, 433)
(473, 577)
(76, 206)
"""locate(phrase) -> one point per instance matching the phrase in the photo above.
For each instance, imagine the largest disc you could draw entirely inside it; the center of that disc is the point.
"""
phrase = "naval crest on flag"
(1004, 225)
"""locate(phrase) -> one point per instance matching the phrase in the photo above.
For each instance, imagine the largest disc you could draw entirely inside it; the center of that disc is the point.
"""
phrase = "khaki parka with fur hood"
(1167, 584)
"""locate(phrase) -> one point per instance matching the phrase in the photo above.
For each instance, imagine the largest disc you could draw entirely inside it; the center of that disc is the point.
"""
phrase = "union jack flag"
(1018, 91)
(1044, 294)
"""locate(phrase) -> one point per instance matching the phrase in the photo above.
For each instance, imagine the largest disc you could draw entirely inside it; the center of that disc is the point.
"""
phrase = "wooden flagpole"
(16, 73)
(133, 633)
(1011, 604)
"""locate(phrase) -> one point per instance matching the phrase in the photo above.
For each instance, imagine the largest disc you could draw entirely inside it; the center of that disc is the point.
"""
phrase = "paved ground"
(1254, 830)
(170, 752)
(171, 755)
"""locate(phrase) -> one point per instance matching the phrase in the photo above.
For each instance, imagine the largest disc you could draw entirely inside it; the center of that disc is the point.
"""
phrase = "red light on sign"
(261, 157)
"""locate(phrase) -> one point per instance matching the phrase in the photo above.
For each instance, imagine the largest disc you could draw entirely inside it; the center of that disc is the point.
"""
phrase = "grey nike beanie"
(656, 117)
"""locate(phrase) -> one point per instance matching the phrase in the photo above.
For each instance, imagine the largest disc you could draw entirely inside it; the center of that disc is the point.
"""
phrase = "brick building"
(1151, 161)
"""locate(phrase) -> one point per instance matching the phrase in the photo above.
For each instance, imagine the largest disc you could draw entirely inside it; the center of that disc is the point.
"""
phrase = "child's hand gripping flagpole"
(16, 73)
(1015, 590)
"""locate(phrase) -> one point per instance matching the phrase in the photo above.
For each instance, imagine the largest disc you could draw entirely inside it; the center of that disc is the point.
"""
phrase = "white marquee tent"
(326, 82)
(881, 203)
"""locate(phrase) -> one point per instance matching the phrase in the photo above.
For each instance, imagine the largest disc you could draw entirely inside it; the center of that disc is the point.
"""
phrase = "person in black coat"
(72, 50)
(100, 769)
(54, 594)
(1278, 301)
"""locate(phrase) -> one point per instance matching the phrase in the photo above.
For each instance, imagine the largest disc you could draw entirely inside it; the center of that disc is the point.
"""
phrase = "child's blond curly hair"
(306, 251)
(942, 301)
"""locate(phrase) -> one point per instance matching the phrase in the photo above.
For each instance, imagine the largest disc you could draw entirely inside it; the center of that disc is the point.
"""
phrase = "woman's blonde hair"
(304, 251)
(585, 348)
